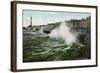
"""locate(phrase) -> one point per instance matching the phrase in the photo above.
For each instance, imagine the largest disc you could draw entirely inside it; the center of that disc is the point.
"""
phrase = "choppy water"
(60, 44)
(40, 47)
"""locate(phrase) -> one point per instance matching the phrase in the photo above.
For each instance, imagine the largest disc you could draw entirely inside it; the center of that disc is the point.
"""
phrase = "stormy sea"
(57, 45)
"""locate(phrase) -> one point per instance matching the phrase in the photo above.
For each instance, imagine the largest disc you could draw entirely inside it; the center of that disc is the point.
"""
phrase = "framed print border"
(14, 34)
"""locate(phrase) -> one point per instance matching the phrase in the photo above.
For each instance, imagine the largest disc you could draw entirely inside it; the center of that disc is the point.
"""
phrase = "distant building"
(82, 25)
(47, 27)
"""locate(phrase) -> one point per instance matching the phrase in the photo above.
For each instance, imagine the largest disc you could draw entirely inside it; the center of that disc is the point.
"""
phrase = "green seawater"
(40, 47)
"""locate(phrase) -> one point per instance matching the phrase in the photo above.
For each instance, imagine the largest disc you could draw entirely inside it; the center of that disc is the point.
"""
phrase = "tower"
(31, 20)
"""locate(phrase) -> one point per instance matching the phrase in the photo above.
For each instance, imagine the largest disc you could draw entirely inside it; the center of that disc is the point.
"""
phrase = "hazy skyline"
(45, 17)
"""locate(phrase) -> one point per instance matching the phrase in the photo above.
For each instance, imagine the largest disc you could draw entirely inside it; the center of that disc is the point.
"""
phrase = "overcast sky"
(44, 17)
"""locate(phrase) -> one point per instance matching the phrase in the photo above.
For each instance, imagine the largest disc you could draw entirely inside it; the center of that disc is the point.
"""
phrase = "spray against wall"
(63, 31)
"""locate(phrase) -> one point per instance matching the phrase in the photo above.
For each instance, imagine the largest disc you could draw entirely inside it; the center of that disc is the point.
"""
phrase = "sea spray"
(63, 31)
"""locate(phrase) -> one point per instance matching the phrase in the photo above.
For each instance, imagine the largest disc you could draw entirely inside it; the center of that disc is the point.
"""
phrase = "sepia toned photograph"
(56, 36)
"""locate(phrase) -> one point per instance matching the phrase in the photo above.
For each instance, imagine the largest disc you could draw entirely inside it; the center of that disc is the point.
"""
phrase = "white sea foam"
(63, 31)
